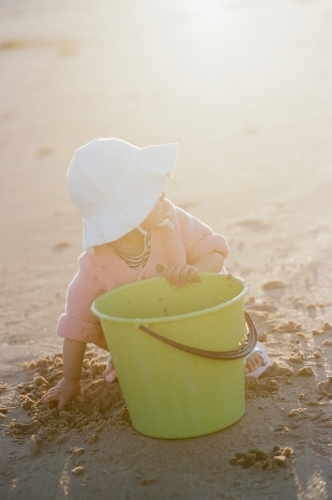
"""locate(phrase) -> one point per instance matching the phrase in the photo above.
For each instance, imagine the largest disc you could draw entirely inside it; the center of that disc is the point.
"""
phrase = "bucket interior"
(156, 298)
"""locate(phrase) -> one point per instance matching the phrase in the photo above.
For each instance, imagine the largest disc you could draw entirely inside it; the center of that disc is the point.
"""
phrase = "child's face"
(156, 214)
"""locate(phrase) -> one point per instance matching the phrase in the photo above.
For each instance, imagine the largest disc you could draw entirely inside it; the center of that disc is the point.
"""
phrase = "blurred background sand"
(244, 87)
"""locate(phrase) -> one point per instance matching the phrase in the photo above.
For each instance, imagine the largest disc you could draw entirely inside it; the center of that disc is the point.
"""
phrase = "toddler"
(131, 232)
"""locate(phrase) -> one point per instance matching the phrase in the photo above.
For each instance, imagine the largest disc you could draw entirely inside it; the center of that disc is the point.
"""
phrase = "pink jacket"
(104, 270)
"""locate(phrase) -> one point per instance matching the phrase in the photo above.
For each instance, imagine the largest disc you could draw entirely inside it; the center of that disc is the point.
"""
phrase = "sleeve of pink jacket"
(199, 238)
(78, 322)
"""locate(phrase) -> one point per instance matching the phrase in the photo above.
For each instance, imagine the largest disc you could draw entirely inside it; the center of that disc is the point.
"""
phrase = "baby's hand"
(181, 275)
(64, 391)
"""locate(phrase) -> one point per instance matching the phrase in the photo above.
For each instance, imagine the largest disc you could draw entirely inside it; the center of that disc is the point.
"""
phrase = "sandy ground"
(244, 87)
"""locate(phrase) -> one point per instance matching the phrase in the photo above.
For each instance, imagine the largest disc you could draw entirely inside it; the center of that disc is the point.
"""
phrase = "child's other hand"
(181, 275)
(64, 391)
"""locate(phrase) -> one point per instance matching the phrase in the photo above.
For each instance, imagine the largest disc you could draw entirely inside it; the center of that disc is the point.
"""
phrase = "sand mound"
(104, 404)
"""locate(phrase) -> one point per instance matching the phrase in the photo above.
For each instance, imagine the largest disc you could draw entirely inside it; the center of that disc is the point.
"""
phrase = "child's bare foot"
(109, 374)
(254, 361)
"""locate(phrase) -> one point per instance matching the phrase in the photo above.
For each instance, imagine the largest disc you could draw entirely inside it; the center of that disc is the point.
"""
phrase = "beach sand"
(244, 87)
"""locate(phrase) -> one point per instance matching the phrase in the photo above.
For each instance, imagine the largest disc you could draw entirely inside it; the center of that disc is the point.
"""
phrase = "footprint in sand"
(44, 151)
(64, 47)
(273, 285)
(253, 224)
(59, 247)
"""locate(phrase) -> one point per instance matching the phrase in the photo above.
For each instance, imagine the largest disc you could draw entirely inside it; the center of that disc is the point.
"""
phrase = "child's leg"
(109, 374)
(257, 361)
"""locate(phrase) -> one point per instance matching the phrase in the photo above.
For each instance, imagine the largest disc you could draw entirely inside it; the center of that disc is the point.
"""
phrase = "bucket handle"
(243, 351)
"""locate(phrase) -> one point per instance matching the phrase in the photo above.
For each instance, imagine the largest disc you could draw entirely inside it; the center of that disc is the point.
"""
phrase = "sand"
(245, 89)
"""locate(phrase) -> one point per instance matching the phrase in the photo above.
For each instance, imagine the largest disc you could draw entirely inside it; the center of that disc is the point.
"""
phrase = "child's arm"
(210, 263)
(205, 250)
(78, 326)
(69, 386)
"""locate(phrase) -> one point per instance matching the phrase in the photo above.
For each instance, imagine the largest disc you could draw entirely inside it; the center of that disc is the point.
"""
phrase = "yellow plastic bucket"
(171, 393)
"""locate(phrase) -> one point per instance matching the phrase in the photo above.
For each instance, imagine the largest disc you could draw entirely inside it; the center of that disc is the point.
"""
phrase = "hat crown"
(96, 171)
(115, 185)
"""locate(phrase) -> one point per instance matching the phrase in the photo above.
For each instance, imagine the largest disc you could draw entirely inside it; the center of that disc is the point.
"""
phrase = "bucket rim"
(166, 319)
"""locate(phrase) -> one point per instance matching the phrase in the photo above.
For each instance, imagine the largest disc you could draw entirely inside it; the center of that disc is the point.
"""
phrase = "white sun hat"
(115, 185)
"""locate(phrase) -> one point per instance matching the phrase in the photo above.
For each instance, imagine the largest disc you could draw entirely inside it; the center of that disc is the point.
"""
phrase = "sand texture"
(244, 87)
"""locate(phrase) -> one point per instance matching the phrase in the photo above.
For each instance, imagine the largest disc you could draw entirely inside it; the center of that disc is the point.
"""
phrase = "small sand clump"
(262, 459)
(325, 328)
(268, 383)
(122, 416)
(297, 357)
(289, 327)
(77, 451)
(276, 370)
(324, 388)
(34, 445)
(92, 439)
(78, 470)
(255, 387)
(306, 371)
(104, 404)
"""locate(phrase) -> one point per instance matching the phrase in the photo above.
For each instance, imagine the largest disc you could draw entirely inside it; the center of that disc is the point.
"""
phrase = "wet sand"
(245, 89)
